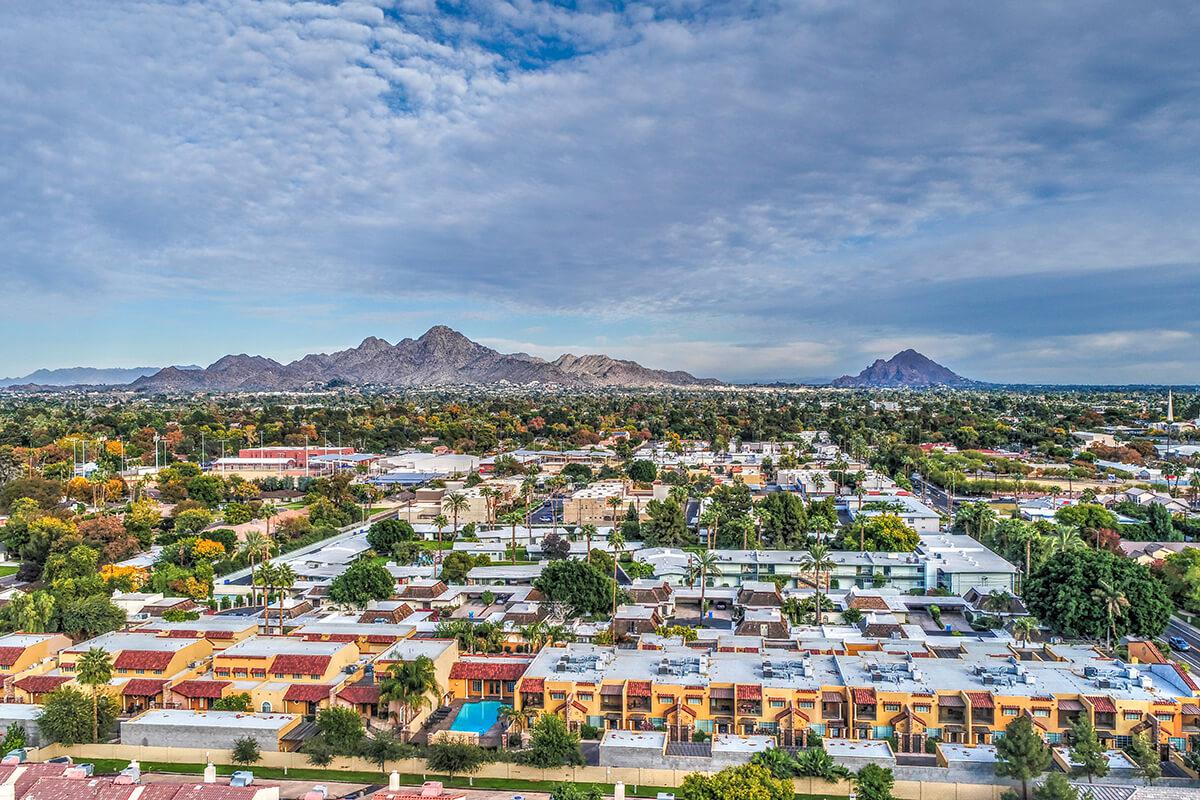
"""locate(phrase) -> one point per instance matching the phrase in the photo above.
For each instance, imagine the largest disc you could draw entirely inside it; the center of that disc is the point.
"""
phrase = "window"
(296, 676)
(558, 696)
(891, 707)
(1123, 741)
(510, 687)
(778, 703)
(266, 707)
(1011, 711)
(922, 708)
(1165, 717)
(695, 701)
(476, 686)
(585, 697)
(139, 672)
(1053, 738)
(1041, 712)
(1132, 716)
(667, 699)
(807, 704)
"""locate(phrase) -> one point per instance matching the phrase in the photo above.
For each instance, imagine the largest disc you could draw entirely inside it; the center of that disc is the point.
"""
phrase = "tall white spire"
(1170, 407)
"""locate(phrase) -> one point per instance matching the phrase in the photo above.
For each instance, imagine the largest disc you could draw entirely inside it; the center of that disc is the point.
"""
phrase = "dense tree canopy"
(1061, 593)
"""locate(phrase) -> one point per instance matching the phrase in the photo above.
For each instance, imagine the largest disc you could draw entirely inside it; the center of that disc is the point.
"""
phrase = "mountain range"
(83, 376)
(906, 369)
(441, 356)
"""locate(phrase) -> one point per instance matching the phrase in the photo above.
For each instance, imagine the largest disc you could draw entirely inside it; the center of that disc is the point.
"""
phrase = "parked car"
(243, 777)
(1179, 643)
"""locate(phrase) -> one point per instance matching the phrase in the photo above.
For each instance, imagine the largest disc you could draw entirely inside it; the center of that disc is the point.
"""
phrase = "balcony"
(832, 711)
(983, 716)
(638, 704)
(722, 708)
(749, 708)
(611, 705)
(1106, 720)
(866, 712)
(951, 716)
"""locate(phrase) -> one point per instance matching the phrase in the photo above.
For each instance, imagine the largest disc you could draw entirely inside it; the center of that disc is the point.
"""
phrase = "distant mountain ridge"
(441, 356)
(906, 369)
(89, 376)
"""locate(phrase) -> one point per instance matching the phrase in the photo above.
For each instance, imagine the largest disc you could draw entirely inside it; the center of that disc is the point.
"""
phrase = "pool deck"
(493, 737)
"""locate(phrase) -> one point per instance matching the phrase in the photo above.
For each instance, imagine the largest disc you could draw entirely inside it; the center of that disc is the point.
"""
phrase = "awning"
(981, 700)
(832, 697)
(306, 693)
(611, 690)
(1070, 705)
(863, 697)
(749, 692)
(142, 687)
(721, 692)
(951, 701)
(1190, 708)
(637, 688)
(1102, 704)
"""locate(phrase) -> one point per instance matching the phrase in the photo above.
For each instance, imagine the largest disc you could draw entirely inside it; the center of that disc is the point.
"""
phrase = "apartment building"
(965, 694)
(952, 562)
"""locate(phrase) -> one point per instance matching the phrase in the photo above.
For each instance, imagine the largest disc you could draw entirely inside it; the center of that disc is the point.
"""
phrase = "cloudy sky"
(752, 190)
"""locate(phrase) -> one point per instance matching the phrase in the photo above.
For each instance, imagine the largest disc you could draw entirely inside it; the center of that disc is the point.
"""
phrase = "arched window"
(266, 707)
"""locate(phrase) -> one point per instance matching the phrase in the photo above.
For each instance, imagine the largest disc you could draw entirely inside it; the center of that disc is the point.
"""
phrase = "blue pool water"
(477, 717)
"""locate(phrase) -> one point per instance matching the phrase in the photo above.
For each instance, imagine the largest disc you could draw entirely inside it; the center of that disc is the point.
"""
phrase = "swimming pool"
(477, 717)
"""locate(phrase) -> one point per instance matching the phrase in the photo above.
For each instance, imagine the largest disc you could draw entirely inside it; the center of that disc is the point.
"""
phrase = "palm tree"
(818, 482)
(703, 562)
(528, 487)
(588, 532)
(257, 547)
(1065, 539)
(513, 720)
(285, 579)
(455, 503)
(491, 499)
(534, 635)
(1023, 628)
(94, 669)
(411, 684)
(998, 601)
(440, 523)
(512, 519)
(617, 540)
(711, 520)
(264, 577)
(818, 560)
(1114, 603)
(613, 504)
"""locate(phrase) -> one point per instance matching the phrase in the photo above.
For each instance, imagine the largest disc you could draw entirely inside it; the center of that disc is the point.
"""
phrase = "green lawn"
(6, 570)
(113, 766)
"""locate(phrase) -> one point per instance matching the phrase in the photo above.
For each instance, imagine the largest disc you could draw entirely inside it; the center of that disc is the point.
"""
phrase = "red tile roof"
(863, 697)
(307, 692)
(1103, 704)
(290, 664)
(143, 659)
(142, 687)
(1187, 679)
(488, 670)
(330, 637)
(181, 634)
(981, 700)
(381, 638)
(360, 695)
(533, 685)
(637, 688)
(201, 689)
(9, 655)
(41, 684)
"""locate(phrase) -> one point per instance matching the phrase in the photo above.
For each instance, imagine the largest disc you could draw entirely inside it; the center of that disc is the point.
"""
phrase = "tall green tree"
(1086, 750)
(1143, 753)
(552, 745)
(1021, 754)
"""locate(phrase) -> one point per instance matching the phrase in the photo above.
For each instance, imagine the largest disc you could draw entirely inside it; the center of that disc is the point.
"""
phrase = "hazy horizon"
(750, 191)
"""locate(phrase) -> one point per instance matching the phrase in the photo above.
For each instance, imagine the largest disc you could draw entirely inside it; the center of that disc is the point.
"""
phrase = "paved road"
(1177, 627)
(937, 497)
